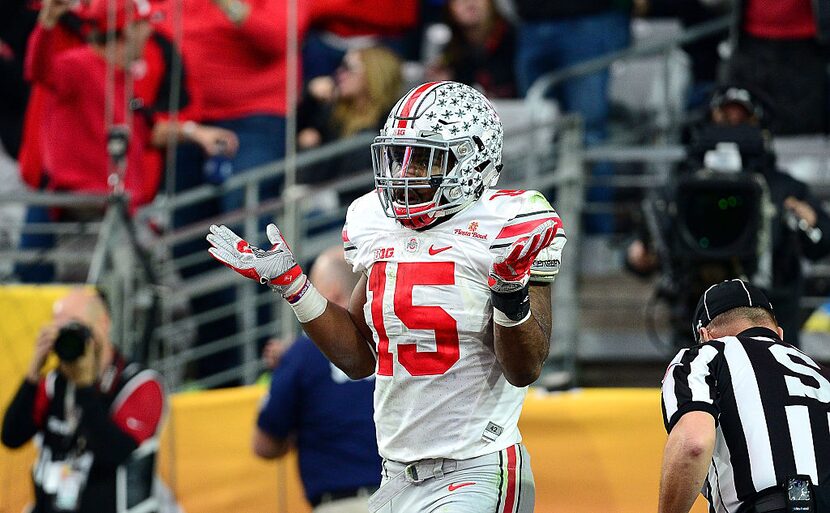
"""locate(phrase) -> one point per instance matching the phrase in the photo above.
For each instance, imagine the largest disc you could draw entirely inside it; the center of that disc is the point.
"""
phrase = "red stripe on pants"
(509, 498)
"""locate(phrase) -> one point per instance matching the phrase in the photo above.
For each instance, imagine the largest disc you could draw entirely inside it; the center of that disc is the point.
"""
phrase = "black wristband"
(514, 305)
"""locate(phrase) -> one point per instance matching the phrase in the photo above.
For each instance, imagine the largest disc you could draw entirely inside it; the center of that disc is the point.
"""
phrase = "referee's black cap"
(725, 296)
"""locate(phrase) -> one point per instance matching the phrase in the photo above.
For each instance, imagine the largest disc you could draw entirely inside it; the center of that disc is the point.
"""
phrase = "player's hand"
(275, 267)
(511, 269)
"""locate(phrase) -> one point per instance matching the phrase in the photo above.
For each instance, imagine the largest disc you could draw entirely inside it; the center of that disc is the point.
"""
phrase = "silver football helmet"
(438, 151)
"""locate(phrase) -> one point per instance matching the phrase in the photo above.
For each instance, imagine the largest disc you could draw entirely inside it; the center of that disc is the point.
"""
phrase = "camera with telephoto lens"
(715, 221)
(71, 341)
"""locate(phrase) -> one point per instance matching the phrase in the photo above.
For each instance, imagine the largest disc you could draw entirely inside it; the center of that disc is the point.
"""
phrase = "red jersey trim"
(526, 227)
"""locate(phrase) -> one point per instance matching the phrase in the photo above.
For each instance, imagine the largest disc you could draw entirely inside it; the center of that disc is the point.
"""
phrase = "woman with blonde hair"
(357, 98)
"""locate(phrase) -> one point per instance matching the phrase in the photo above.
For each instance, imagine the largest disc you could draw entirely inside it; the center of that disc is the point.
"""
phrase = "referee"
(747, 414)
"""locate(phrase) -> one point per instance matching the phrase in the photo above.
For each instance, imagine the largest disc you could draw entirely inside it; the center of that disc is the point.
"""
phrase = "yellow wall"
(592, 451)
(206, 457)
(23, 310)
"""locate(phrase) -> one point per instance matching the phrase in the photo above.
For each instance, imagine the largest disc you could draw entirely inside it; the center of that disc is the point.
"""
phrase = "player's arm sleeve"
(22, 419)
(536, 208)
(690, 383)
(278, 415)
(136, 415)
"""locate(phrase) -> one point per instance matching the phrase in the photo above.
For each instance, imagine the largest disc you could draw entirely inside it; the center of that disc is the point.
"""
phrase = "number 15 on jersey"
(414, 317)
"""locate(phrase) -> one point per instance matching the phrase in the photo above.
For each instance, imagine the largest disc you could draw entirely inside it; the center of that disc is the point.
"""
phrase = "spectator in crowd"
(69, 32)
(344, 25)
(555, 34)
(92, 413)
(776, 49)
(236, 52)
(77, 104)
(481, 50)
(797, 228)
(77, 79)
(364, 87)
(313, 406)
(746, 413)
(237, 56)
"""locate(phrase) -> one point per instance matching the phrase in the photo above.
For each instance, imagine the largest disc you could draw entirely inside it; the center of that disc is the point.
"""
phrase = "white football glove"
(275, 267)
(511, 269)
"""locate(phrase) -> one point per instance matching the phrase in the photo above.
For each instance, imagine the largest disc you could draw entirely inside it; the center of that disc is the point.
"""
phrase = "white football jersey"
(440, 392)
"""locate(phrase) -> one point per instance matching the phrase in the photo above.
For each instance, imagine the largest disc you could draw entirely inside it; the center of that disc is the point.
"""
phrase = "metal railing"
(117, 264)
(314, 234)
(545, 166)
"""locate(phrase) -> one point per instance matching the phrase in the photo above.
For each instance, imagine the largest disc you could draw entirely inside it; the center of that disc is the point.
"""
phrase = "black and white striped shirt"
(770, 403)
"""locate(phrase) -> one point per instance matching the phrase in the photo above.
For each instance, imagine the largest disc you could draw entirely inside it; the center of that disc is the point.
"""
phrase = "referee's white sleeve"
(690, 382)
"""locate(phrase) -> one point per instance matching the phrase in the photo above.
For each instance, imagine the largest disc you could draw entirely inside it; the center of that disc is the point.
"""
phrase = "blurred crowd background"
(129, 126)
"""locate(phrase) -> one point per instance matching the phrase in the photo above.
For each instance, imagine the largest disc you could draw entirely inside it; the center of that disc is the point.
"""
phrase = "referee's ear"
(704, 334)
(780, 331)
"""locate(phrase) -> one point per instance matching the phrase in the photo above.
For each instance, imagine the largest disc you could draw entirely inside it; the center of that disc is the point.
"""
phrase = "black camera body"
(720, 216)
(714, 222)
(71, 341)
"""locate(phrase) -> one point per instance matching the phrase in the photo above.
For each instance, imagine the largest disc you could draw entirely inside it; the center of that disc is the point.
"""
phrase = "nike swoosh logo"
(453, 487)
(433, 251)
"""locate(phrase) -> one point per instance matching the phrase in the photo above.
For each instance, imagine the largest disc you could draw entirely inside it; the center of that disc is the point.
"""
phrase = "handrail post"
(569, 204)
(247, 290)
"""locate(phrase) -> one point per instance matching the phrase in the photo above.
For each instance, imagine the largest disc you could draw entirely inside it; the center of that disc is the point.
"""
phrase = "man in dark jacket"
(98, 416)
(799, 227)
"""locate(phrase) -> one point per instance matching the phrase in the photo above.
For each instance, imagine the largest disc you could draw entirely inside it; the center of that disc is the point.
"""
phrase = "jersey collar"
(759, 331)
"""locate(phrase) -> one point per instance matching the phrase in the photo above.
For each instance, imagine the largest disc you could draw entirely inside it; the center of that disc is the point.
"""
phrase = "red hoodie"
(367, 17)
(73, 128)
(239, 70)
(31, 155)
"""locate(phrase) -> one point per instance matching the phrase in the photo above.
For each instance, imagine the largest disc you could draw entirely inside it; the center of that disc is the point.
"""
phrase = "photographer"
(97, 415)
(733, 146)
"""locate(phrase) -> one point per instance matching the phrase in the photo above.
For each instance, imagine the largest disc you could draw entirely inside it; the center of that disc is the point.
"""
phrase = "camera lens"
(71, 341)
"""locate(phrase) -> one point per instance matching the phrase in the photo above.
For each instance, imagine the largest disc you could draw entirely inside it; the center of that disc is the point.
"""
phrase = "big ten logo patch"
(384, 253)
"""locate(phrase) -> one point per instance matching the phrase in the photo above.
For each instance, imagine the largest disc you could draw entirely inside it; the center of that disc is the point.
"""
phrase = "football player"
(452, 313)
